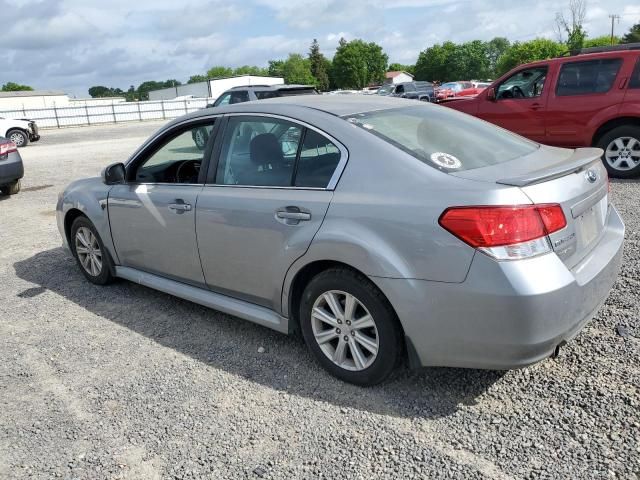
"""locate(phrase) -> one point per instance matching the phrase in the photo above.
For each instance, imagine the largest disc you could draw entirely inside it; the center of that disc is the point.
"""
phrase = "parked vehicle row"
(383, 229)
(422, 91)
(587, 100)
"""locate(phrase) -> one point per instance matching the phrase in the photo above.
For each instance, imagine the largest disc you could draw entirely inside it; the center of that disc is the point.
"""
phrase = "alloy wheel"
(345, 330)
(623, 153)
(88, 251)
(17, 138)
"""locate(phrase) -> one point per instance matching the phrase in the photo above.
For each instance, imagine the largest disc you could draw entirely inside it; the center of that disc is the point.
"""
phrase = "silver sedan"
(383, 230)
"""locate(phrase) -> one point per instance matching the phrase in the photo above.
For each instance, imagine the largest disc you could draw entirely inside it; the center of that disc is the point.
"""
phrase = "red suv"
(583, 100)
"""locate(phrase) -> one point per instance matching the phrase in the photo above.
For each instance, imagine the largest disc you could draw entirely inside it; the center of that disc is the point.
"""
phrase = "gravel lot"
(126, 382)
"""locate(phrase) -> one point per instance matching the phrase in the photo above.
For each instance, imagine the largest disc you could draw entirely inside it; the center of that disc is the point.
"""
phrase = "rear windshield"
(444, 138)
(290, 92)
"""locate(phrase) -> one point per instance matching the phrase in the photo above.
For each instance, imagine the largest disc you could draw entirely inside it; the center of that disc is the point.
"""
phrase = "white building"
(398, 77)
(41, 99)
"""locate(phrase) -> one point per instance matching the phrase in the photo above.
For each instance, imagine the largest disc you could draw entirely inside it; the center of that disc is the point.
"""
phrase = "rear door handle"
(180, 206)
(293, 215)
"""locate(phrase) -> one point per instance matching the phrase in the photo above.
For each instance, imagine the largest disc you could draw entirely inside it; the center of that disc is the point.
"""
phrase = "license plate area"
(591, 223)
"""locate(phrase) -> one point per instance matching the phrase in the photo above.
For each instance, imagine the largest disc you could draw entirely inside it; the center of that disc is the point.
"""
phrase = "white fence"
(58, 117)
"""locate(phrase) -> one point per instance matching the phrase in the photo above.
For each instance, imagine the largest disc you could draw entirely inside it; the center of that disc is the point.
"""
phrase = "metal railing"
(84, 115)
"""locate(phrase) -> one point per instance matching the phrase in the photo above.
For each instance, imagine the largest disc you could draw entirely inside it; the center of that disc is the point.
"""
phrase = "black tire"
(200, 138)
(389, 335)
(105, 274)
(12, 188)
(20, 138)
(625, 131)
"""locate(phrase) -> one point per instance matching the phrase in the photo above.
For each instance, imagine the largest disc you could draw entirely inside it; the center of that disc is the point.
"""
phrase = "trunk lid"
(575, 179)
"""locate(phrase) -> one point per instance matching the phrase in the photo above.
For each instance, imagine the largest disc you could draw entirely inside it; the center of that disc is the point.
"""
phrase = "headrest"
(265, 149)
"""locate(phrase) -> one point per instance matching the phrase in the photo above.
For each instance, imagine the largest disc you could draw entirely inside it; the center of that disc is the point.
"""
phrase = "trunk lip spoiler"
(578, 161)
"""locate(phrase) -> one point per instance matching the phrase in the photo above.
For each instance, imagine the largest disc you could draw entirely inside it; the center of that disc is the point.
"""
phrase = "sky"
(73, 44)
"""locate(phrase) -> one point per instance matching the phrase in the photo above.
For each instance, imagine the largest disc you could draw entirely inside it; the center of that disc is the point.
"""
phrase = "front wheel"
(12, 188)
(350, 327)
(18, 137)
(92, 257)
(621, 151)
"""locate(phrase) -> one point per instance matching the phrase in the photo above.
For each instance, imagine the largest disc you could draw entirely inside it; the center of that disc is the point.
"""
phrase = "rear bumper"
(505, 314)
(11, 169)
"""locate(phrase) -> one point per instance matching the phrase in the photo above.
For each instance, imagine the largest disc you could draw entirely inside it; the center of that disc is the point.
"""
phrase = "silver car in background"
(382, 229)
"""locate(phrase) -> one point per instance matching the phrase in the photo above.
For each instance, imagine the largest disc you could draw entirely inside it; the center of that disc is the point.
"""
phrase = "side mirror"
(114, 174)
(491, 94)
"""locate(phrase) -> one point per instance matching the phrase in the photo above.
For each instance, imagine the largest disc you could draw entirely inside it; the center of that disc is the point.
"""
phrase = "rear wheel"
(350, 327)
(18, 137)
(92, 257)
(12, 188)
(621, 151)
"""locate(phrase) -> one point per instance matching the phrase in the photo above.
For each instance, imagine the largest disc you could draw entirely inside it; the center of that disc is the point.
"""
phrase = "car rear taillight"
(505, 232)
(6, 148)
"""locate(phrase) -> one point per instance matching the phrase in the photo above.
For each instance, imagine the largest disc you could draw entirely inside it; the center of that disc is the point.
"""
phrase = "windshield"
(444, 138)
(385, 89)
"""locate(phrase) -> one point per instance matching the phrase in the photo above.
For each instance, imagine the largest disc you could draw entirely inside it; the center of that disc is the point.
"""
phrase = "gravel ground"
(126, 382)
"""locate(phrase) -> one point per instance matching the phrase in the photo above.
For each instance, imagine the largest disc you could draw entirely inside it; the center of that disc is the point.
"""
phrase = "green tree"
(318, 64)
(297, 70)
(250, 70)
(525, 52)
(603, 41)
(219, 72)
(633, 35)
(275, 68)
(16, 87)
(356, 64)
(573, 26)
(197, 79)
(450, 61)
(99, 91)
(399, 67)
(495, 49)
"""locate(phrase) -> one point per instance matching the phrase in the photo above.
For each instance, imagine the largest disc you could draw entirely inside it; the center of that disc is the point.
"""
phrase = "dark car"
(11, 169)
(249, 93)
(414, 90)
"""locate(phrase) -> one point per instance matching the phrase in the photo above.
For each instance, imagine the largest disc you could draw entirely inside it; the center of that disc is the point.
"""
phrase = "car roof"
(338, 105)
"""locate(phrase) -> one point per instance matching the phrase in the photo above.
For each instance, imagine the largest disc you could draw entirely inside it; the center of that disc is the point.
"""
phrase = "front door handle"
(180, 206)
(536, 106)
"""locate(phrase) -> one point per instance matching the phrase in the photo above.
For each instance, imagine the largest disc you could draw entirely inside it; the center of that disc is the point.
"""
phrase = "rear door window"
(318, 160)
(635, 76)
(591, 76)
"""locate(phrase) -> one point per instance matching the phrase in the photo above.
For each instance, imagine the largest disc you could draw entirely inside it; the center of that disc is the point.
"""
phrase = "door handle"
(293, 215)
(536, 106)
(180, 206)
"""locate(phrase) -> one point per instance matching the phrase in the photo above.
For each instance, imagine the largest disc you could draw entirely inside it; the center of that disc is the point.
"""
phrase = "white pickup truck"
(19, 131)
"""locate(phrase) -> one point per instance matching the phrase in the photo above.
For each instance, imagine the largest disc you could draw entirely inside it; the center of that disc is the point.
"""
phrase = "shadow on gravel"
(230, 344)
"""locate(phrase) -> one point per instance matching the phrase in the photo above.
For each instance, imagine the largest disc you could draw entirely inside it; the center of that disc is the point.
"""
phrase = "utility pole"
(613, 18)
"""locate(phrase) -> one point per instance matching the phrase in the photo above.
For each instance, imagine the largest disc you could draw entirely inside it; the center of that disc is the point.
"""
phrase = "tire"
(12, 188)
(200, 138)
(100, 275)
(18, 137)
(336, 332)
(625, 139)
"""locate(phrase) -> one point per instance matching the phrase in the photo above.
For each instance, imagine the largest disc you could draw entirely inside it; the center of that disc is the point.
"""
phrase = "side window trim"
(156, 143)
(222, 126)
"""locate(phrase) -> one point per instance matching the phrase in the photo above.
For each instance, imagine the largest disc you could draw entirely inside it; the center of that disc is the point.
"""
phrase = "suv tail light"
(505, 232)
(7, 148)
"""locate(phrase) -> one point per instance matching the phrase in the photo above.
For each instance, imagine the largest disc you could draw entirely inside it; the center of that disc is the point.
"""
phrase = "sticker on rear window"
(446, 160)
